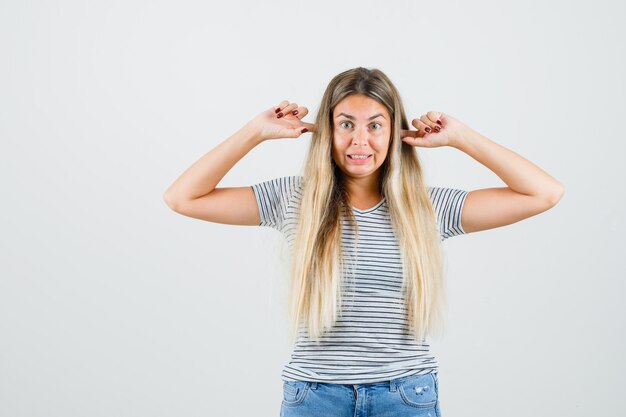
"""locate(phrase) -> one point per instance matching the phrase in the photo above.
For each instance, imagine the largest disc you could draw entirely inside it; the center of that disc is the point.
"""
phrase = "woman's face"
(361, 126)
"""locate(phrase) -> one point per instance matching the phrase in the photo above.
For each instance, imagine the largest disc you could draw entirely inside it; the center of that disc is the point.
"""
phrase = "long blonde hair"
(317, 262)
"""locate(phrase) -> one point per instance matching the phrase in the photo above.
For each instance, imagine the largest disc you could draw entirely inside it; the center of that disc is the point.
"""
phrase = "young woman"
(365, 233)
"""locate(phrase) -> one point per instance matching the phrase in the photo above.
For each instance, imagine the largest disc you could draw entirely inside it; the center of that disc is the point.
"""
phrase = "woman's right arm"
(194, 193)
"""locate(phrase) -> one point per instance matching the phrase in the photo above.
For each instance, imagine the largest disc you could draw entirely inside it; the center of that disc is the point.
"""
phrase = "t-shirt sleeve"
(448, 205)
(273, 198)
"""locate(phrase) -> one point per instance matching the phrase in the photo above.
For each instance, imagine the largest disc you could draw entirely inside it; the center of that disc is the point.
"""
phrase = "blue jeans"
(409, 396)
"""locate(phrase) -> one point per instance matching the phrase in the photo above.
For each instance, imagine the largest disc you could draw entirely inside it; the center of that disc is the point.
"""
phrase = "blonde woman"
(365, 234)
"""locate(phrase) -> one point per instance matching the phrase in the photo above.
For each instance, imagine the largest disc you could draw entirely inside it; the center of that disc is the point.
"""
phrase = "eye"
(373, 124)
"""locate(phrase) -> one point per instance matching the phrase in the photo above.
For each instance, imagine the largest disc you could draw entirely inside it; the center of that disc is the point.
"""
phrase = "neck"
(366, 188)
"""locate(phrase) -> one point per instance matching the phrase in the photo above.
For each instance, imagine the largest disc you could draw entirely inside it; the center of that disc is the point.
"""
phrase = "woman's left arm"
(530, 190)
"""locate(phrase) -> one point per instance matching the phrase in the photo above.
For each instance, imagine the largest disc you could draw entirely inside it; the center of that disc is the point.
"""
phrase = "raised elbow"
(170, 201)
(556, 195)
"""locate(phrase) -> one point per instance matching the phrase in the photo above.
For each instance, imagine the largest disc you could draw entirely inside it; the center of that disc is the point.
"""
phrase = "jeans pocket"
(419, 391)
(294, 392)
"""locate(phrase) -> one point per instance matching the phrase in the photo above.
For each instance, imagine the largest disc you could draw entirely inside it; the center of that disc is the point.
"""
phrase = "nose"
(360, 136)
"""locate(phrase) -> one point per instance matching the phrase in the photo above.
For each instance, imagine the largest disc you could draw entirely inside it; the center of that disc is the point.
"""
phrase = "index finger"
(310, 126)
(409, 133)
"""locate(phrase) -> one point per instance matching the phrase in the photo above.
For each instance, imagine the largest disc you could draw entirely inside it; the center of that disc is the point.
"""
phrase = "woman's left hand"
(445, 130)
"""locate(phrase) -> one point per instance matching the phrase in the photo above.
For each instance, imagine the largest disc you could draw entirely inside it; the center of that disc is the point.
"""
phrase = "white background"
(111, 304)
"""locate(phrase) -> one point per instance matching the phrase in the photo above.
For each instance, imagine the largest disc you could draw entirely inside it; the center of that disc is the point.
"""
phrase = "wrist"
(463, 139)
(250, 134)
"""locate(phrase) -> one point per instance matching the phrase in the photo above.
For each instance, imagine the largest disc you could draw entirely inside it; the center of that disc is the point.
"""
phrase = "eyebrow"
(352, 117)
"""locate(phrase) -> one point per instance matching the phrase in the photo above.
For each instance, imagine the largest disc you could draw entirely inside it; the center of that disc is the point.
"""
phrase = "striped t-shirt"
(370, 341)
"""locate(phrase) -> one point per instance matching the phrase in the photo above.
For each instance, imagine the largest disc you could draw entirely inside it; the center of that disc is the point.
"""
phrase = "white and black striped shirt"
(370, 341)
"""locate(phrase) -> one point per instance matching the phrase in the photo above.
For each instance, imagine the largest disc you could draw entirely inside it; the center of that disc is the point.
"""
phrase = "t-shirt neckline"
(369, 209)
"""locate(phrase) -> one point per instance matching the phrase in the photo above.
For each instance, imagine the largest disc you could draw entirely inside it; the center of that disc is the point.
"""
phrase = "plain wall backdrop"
(111, 304)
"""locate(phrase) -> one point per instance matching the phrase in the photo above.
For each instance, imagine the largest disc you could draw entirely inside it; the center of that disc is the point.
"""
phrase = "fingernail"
(277, 110)
(437, 128)
(294, 112)
(279, 115)
(428, 129)
(439, 122)
(304, 130)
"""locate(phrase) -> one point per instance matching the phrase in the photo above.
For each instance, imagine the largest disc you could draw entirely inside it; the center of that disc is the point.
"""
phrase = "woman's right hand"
(280, 122)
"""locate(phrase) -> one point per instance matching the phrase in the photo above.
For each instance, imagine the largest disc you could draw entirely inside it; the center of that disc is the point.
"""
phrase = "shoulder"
(448, 205)
(279, 190)
(281, 183)
(275, 197)
(444, 195)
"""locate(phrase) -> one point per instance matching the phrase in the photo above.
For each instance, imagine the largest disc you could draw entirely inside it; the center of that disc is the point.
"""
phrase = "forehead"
(360, 106)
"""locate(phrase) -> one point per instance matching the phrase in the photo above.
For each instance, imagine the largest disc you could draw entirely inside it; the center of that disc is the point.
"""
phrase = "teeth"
(358, 156)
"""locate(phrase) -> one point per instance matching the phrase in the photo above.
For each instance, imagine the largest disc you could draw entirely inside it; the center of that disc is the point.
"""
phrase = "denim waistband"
(392, 383)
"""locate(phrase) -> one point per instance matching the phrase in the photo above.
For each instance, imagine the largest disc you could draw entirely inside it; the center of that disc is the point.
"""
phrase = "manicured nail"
(437, 128)
(439, 122)
(304, 130)
(294, 112)
(279, 115)
(276, 110)
(428, 129)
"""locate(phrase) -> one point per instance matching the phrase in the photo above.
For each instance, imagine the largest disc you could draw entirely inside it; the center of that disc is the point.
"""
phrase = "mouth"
(360, 157)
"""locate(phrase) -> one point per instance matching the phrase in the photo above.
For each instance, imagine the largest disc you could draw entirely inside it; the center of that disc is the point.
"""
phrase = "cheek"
(341, 142)
(382, 143)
